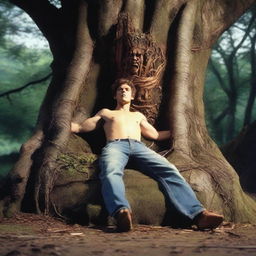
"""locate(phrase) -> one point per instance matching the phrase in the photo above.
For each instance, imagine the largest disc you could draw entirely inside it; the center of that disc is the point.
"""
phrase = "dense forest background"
(25, 61)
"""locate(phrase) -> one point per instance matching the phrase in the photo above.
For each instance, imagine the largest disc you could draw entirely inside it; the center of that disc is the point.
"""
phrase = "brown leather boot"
(124, 220)
(208, 220)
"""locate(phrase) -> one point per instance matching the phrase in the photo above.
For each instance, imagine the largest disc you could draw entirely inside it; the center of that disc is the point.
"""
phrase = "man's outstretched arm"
(87, 125)
(148, 131)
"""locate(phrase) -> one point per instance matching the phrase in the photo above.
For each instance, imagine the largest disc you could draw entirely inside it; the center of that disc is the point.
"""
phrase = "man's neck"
(125, 107)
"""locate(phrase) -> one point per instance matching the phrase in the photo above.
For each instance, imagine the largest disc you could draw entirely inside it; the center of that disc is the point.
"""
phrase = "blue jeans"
(112, 162)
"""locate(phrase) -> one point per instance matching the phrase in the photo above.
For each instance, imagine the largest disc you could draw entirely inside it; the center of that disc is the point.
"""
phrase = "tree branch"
(135, 9)
(218, 76)
(25, 86)
(230, 72)
(221, 51)
(221, 115)
(247, 31)
(225, 9)
(164, 14)
(109, 11)
(252, 94)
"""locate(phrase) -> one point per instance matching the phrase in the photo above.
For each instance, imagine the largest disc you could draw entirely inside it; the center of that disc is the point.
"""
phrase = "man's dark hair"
(121, 81)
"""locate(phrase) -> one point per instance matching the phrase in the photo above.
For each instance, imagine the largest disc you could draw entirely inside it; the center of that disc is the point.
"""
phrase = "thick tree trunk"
(194, 151)
(186, 31)
(64, 106)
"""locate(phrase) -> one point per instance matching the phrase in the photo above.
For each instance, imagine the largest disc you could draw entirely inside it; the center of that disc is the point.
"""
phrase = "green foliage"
(19, 64)
(228, 80)
(15, 26)
(19, 111)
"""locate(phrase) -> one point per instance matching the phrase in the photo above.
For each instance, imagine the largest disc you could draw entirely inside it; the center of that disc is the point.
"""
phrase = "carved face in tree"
(139, 58)
(135, 61)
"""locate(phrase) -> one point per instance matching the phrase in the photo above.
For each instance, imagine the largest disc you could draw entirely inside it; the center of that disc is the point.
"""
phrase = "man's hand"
(75, 127)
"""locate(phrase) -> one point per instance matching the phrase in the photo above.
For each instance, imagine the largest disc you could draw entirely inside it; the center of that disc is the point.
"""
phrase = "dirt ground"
(29, 234)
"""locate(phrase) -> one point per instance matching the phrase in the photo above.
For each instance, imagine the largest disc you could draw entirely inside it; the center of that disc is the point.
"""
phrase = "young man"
(123, 130)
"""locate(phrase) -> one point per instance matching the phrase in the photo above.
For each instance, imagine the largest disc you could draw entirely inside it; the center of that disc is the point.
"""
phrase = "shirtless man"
(123, 130)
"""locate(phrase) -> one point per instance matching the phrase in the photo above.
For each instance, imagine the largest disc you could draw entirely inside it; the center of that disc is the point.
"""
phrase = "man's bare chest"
(122, 119)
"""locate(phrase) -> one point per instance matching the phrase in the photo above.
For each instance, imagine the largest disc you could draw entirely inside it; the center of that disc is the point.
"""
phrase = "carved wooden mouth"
(135, 65)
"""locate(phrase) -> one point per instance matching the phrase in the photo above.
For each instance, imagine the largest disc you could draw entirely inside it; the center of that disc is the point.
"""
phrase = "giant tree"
(233, 64)
(92, 43)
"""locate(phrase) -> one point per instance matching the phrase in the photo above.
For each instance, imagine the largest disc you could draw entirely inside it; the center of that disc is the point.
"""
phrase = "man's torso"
(121, 124)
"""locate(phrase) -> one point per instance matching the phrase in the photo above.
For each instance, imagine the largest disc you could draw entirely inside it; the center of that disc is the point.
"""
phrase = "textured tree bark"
(64, 106)
(186, 31)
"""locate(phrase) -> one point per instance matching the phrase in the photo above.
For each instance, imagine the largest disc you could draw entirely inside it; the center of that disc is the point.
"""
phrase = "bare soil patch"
(30, 234)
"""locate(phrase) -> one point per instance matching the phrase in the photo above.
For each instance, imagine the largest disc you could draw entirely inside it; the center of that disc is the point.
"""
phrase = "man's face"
(124, 94)
(135, 60)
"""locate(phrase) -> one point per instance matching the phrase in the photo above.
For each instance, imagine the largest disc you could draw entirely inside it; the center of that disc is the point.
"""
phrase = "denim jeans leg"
(112, 162)
(178, 191)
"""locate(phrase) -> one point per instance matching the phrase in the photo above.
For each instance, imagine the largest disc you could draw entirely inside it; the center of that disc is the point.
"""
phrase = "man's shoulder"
(104, 111)
(139, 114)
